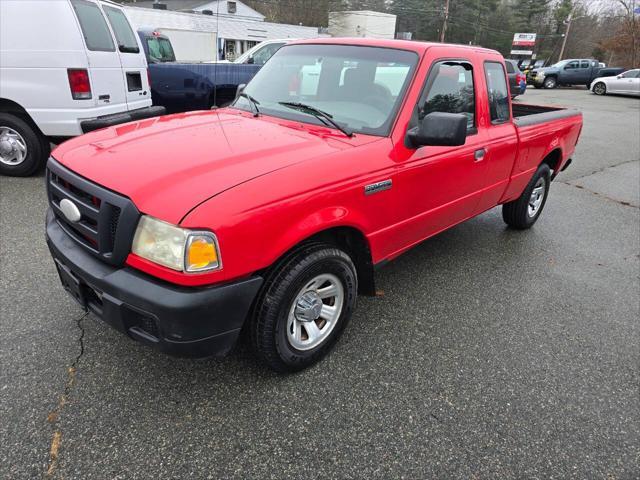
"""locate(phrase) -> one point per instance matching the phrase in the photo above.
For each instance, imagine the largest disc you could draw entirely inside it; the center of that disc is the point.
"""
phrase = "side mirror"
(251, 60)
(439, 129)
(619, 76)
(240, 89)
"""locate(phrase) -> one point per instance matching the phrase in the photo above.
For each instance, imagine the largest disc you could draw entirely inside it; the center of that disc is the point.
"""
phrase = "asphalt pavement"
(492, 354)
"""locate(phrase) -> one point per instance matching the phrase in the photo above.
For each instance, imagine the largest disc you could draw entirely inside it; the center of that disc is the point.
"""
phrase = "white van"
(66, 67)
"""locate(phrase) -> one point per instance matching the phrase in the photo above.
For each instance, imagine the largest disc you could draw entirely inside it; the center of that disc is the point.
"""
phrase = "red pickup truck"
(271, 216)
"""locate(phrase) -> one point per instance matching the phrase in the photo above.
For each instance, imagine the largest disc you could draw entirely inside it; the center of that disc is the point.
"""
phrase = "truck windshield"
(360, 87)
(160, 50)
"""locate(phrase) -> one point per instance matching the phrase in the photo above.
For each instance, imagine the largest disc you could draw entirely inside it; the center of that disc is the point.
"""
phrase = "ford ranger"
(270, 216)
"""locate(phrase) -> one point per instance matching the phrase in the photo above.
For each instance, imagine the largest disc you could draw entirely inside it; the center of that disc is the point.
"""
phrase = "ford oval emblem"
(70, 210)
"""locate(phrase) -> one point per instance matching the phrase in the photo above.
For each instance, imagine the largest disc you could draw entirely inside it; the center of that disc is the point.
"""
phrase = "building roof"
(216, 6)
(226, 27)
(176, 5)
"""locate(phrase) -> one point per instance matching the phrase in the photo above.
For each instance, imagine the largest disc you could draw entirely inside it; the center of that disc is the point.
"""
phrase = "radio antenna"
(215, 69)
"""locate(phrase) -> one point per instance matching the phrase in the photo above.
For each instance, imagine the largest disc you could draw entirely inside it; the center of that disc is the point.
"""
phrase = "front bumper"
(535, 80)
(192, 322)
(123, 117)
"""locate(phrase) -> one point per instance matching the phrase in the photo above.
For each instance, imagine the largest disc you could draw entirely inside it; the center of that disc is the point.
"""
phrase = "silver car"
(627, 83)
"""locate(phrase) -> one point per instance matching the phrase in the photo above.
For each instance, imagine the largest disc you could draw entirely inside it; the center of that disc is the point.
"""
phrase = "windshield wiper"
(254, 103)
(319, 114)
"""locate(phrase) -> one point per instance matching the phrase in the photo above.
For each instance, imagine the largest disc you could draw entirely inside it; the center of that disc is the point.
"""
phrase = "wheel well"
(9, 106)
(553, 159)
(352, 241)
(349, 239)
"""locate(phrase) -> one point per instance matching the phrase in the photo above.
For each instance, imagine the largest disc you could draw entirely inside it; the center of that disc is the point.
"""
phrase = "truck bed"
(524, 114)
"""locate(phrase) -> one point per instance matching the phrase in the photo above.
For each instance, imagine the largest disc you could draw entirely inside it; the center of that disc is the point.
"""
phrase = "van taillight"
(79, 83)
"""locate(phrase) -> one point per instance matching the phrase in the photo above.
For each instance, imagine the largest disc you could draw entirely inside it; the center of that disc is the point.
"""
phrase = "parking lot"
(492, 353)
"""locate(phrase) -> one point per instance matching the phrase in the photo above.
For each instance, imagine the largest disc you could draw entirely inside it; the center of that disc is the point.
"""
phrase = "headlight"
(174, 247)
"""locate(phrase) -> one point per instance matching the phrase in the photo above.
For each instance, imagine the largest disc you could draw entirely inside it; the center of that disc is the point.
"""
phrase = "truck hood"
(169, 165)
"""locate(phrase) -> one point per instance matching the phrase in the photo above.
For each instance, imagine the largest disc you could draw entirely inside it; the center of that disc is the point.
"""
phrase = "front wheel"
(600, 88)
(303, 307)
(523, 212)
(550, 82)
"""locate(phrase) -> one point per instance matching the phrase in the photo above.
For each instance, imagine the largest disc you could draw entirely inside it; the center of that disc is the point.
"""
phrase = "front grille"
(107, 220)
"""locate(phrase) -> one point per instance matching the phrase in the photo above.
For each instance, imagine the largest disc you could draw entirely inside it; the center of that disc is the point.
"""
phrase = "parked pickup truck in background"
(181, 87)
(270, 216)
(570, 72)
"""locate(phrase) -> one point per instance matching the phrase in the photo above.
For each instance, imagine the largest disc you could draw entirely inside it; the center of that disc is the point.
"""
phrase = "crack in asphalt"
(597, 194)
(600, 170)
(54, 415)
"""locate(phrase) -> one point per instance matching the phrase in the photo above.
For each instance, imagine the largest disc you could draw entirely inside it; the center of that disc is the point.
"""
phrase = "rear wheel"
(523, 212)
(22, 148)
(600, 88)
(303, 307)
(550, 82)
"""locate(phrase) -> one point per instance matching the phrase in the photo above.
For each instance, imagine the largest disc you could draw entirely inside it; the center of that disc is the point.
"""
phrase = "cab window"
(498, 92)
(450, 89)
(124, 35)
(572, 65)
(94, 27)
(160, 50)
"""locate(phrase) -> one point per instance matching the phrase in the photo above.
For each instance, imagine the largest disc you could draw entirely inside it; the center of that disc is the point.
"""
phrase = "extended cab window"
(449, 89)
(124, 35)
(94, 27)
(498, 92)
(585, 64)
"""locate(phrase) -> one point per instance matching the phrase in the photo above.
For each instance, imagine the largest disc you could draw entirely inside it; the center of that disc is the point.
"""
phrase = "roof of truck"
(419, 47)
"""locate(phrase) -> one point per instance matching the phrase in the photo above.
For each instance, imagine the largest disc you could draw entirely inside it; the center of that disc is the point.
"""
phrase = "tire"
(600, 88)
(520, 213)
(288, 302)
(23, 149)
(550, 83)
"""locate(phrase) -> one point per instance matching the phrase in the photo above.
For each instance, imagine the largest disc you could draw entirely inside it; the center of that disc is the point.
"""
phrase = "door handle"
(479, 154)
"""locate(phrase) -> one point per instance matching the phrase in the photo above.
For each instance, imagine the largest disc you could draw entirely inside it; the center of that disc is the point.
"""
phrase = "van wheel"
(550, 82)
(22, 149)
(600, 88)
(303, 307)
(523, 212)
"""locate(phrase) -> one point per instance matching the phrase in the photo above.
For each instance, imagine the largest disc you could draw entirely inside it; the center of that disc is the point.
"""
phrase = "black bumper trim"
(181, 321)
(123, 117)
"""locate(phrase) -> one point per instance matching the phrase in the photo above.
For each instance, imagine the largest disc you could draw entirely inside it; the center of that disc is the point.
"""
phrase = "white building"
(235, 29)
(362, 23)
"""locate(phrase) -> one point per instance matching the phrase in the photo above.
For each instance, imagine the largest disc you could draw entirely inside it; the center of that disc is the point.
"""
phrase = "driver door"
(438, 187)
(571, 73)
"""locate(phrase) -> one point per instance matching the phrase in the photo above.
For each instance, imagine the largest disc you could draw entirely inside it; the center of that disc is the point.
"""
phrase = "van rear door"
(105, 71)
(132, 58)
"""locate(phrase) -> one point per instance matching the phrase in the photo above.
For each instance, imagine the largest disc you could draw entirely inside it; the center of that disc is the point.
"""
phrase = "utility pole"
(566, 35)
(444, 23)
